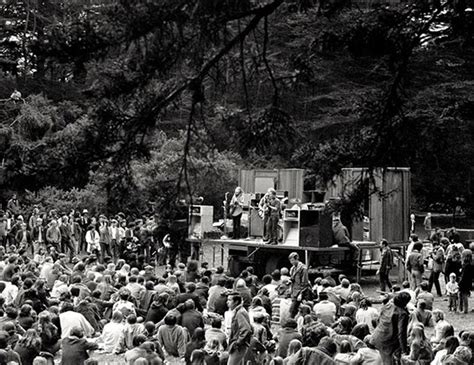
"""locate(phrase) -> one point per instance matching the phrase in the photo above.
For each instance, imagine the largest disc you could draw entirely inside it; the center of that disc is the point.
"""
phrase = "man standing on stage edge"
(299, 282)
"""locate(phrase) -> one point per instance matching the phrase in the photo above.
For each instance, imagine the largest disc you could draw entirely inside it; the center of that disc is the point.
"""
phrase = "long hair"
(452, 343)
(30, 339)
(466, 257)
(198, 357)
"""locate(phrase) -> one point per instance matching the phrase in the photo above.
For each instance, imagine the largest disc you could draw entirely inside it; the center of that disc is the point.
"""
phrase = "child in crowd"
(452, 289)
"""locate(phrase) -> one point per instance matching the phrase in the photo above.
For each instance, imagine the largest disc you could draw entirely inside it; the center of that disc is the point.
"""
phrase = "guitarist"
(264, 212)
(236, 210)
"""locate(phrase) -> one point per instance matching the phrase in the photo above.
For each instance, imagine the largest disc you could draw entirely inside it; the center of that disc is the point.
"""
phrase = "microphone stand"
(249, 222)
(225, 236)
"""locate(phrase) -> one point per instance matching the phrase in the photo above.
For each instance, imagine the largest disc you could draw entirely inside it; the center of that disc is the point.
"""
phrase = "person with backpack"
(390, 335)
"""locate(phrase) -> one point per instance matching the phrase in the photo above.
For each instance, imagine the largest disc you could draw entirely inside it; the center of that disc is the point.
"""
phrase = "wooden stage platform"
(218, 251)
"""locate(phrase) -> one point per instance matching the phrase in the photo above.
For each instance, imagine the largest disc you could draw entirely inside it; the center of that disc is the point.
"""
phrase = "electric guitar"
(263, 210)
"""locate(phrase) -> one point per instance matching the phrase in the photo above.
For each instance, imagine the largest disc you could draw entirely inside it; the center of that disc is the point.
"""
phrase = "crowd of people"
(76, 289)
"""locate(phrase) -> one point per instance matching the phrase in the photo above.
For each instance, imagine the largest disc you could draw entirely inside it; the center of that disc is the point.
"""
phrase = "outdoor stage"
(265, 257)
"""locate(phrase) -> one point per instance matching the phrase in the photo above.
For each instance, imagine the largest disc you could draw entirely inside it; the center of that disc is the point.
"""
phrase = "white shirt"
(92, 239)
(228, 315)
(9, 293)
(70, 319)
(272, 292)
(111, 335)
(367, 317)
(367, 356)
(326, 312)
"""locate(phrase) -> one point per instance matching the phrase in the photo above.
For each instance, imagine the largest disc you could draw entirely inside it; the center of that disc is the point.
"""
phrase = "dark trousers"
(464, 301)
(67, 245)
(272, 229)
(115, 250)
(384, 280)
(453, 302)
(265, 230)
(236, 226)
(295, 305)
(104, 248)
(434, 278)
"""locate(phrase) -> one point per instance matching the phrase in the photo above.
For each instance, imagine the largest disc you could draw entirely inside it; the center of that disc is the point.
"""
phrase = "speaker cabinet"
(200, 220)
(307, 228)
(256, 223)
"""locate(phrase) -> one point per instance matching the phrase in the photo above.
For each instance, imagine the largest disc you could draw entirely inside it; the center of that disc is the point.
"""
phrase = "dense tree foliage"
(148, 101)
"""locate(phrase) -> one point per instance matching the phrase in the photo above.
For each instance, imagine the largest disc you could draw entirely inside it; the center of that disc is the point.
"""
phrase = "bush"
(65, 200)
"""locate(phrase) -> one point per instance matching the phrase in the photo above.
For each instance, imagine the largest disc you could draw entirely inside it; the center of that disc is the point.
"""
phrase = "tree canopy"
(150, 100)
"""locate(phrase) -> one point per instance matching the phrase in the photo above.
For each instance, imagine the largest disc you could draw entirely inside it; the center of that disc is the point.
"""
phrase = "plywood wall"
(290, 180)
(389, 201)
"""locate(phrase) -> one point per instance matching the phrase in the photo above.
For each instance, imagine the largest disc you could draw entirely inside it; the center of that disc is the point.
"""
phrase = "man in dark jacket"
(191, 318)
(191, 294)
(158, 309)
(75, 348)
(240, 330)
(386, 261)
(465, 280)
(299, 282)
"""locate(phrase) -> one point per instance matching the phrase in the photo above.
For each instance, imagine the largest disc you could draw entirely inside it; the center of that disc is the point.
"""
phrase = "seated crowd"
(92, 307)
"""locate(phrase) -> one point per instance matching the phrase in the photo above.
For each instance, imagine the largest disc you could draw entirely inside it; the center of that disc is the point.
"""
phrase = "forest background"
(131, 105)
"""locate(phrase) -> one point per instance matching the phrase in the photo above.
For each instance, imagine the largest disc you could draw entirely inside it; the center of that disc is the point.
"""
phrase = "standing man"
(240, 330)
(85, 222)
(427, 224)
(412, 220)
(299, 282)
(274, 207)
(415, 265)
(66, 242)
(13, 206)
(437, 255)
(386, 261)
(33, 221)
(264, 213)
(53, 235)
(117, 233)
(39, 235)
(236, 210)
(23, 238)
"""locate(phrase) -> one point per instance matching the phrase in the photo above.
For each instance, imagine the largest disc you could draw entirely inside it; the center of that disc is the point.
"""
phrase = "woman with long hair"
(28, 347)
(48, 333)
(450, 345)
(25, 317)
(420, 348)
(198, 357)
(293, 348)
(198, 341)
(106, 287)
